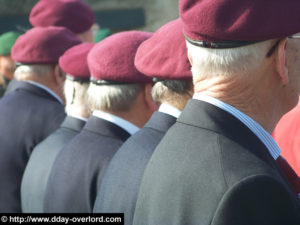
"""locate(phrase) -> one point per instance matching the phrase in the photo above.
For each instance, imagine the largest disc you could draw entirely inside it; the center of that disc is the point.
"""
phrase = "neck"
(77, 111)
(46, 81)
(129, 116)
(247, 95)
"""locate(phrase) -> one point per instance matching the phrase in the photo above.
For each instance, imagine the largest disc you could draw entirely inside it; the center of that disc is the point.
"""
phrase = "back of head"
(230, 38)
(115, 80)
(74, 63)
(167, 63)
(75, 15)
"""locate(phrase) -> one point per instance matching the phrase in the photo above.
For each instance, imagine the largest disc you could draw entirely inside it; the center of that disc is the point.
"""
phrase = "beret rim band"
(218, 45)
(107, 82)
(77, 79)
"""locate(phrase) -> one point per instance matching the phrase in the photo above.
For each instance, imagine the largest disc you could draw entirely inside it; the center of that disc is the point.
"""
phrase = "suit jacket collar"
(160, 121)
(35, 90)
(73, 123)
(105, 128)
(207, 116)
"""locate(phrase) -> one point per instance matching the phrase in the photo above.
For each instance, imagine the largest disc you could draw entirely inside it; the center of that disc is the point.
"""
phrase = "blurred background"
(117, 15)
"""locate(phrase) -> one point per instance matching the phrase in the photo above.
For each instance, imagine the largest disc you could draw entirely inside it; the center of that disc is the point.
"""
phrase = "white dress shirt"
(46, 89)
(79, 117)
(257, 129)
(126, 125)
(170, 110)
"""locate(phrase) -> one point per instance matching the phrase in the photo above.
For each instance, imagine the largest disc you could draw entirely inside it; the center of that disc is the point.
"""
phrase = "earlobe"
(282, 61)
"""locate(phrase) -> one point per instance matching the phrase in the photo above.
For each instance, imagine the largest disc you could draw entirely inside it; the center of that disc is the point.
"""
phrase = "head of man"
(7, 64)
(117, 87)
(37, 52)
(167, 63)
(75, 15)
(74, 63)
(234, 58)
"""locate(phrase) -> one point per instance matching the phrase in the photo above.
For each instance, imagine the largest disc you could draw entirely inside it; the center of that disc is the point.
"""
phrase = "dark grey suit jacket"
(120, 184)
(78, 169)
(27, 116)
(210, 169)
(40, 162)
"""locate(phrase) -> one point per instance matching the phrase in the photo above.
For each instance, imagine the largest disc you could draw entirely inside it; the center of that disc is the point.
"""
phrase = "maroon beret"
(164, 55)
(239, 20)
(74, 61)
(72, 14)
(113, 58)
(43, 45)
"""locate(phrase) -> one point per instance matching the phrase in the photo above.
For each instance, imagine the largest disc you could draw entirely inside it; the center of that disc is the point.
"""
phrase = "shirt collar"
(126, 125)
(46, 89)
(257, 129)
(79, 117)
(169, 109)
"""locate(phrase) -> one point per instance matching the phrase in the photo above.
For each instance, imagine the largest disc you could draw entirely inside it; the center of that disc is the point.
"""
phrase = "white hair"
(170, 91)
(114, 98)
(41, 70)
(227, 62)
(76, 96)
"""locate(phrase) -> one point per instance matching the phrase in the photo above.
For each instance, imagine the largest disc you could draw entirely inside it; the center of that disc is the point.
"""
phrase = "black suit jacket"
(210, 169)
(27, 116)
(41, 160)
(77, 171)
(120, 184)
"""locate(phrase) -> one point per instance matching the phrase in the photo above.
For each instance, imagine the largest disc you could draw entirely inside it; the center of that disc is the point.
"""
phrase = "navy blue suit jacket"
(77, 171)
(27, 116)
(41, 160)
(120, 184)
(211, 169)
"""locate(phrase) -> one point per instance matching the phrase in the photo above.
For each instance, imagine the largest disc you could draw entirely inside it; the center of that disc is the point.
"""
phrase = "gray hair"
(114, 98)
(171, 91)
(227, 62)
(76, 96)
(40, 70)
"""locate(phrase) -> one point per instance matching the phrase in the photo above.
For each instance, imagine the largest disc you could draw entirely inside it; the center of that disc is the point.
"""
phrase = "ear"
(59, 76)
(281, 60)
(152, 105)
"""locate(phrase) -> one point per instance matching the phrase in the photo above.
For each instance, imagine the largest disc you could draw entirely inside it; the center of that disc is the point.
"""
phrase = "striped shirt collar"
(170, 110)
(257, 129)
(126, 125)
(46, 89)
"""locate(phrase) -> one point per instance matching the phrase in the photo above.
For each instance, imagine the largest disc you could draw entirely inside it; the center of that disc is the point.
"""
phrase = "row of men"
(51, 13)
(208, 160)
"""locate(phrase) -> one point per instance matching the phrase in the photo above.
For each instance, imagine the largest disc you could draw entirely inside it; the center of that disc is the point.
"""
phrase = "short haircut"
(171, 91)
(113, 98)
(36, 69)
(227, 62)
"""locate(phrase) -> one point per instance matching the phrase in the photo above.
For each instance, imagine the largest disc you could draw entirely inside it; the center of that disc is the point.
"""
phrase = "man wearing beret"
(173, 87)
(217, 164)
(119, 97)
(75, 15)
(36, 107)
(7, 64)
(74, 63)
